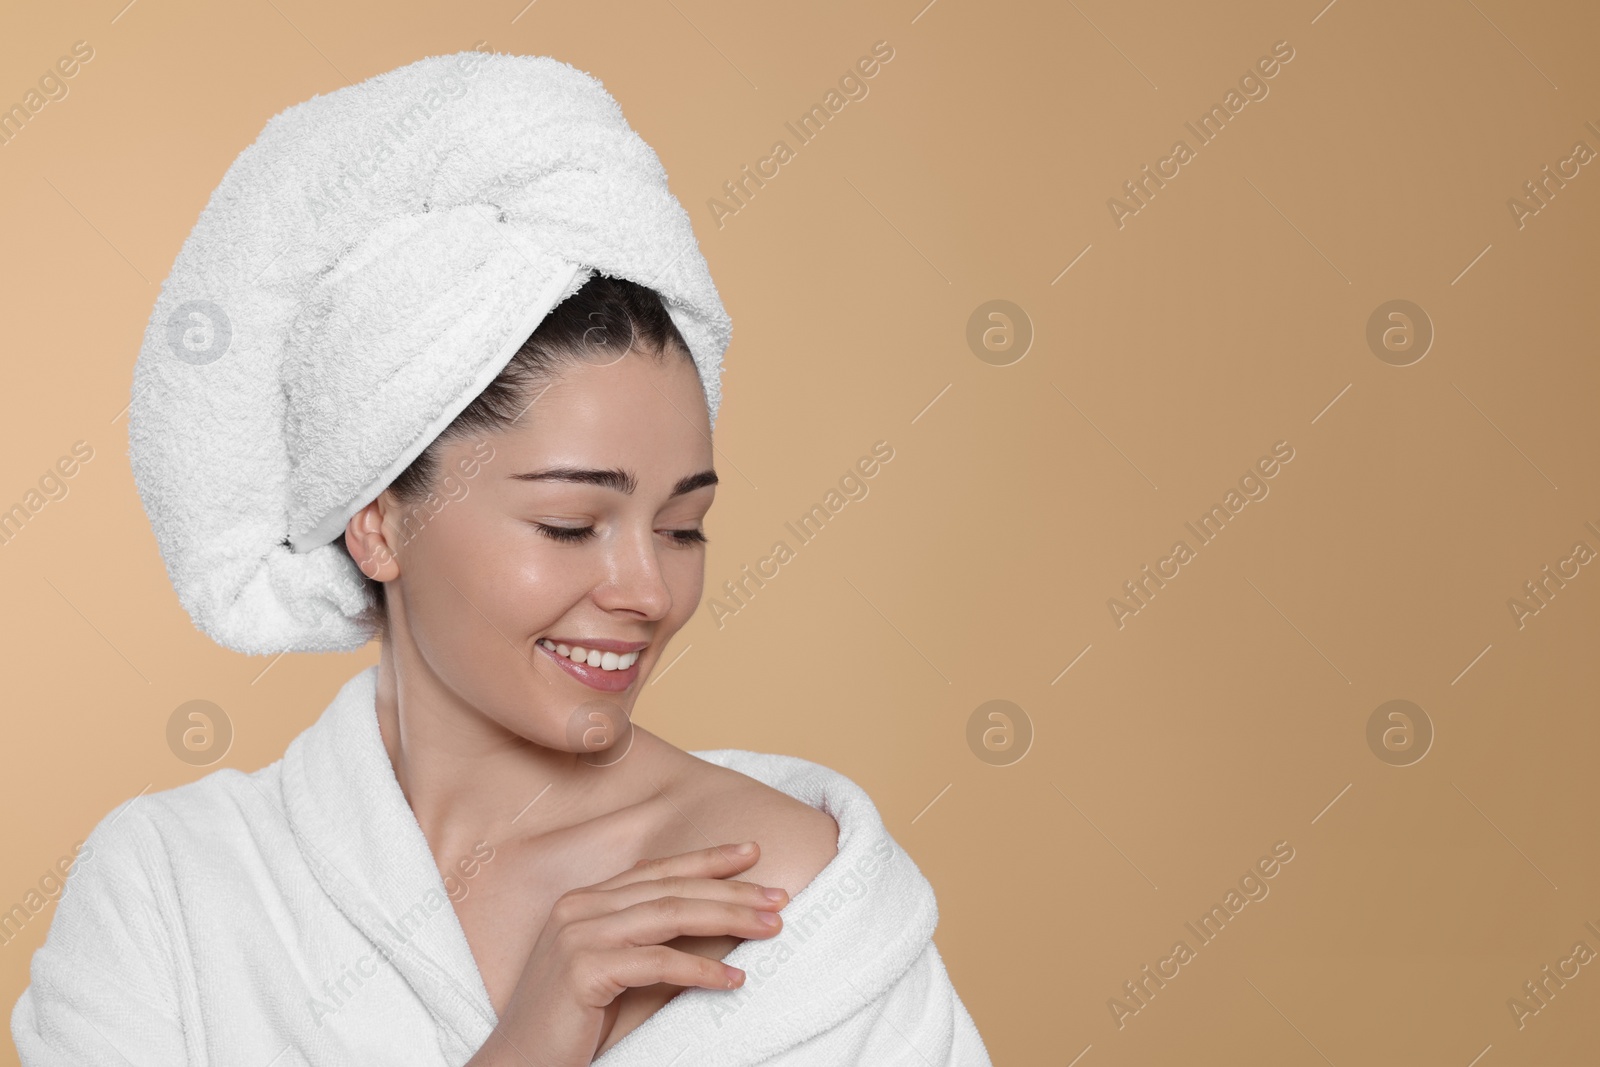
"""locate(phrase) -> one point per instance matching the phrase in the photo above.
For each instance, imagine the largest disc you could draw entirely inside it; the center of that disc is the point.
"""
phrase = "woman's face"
(580, 527)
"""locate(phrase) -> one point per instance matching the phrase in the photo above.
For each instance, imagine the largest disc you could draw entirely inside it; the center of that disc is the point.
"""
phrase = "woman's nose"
(636, 581)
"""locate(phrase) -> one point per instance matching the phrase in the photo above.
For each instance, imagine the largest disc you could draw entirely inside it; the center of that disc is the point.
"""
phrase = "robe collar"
(848, 935)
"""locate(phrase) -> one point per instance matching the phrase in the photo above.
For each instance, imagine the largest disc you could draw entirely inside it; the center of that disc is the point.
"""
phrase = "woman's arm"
(101, 986)
(922, 1022)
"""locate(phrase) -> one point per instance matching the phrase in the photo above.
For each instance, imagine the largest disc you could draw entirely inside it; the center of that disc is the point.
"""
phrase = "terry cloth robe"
(296, 916)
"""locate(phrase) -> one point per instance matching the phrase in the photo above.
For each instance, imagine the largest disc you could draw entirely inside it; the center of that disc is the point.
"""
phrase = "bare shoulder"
(703, 803)
(796, 840)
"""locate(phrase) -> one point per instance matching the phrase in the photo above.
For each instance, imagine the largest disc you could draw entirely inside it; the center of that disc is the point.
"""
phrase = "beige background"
(1230, 313)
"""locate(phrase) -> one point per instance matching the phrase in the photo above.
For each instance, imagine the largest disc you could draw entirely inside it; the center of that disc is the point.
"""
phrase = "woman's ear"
(366, 539)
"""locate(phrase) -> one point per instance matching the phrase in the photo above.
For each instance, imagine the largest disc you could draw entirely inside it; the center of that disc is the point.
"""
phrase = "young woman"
(581, 539)
(473, 856)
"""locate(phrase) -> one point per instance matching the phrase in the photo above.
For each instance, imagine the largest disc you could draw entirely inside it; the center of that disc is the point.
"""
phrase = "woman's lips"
(594, 677)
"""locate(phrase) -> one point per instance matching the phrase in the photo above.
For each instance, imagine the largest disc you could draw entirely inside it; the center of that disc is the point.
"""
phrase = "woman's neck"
(469, 778)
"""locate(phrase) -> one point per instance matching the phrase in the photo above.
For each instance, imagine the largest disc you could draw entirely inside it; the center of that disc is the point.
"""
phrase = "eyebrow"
(613, 478)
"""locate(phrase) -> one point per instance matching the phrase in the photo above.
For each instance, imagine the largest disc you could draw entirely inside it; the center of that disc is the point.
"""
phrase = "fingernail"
(746, 848)
(774, 894)
(767, 918)
(735, 976)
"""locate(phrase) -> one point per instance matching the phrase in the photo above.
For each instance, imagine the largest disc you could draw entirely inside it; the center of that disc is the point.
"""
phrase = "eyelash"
(572, 535)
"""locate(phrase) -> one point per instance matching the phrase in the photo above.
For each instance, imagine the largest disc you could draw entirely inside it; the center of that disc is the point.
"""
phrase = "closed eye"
(575, 534)
(567, 534)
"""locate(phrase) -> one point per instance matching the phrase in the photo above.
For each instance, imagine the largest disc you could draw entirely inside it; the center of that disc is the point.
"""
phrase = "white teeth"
(606, 661)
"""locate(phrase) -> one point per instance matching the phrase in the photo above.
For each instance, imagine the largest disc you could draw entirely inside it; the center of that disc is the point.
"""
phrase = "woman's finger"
(662, 918)
(718, 861)
(591, 902)
(613, 970)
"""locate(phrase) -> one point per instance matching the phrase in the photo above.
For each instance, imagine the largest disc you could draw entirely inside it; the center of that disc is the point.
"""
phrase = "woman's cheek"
(688, 584)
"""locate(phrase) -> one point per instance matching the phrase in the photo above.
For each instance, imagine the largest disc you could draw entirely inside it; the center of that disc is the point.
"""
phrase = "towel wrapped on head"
(362, 272)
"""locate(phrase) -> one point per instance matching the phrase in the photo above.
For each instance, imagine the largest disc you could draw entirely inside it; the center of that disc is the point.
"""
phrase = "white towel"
(361, 272)
(296, 916)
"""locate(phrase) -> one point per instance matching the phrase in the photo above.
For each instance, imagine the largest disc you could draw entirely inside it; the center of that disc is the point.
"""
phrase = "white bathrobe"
(296, 916)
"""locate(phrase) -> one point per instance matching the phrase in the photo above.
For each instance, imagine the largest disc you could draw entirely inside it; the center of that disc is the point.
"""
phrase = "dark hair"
(606, 318)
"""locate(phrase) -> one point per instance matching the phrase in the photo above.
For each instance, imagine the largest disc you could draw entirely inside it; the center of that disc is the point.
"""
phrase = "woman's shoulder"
(156, 830)
(810, 783)
(789, 806)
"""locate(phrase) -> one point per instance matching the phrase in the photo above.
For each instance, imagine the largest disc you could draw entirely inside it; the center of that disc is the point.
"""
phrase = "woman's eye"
(574, 534)
(567, 534)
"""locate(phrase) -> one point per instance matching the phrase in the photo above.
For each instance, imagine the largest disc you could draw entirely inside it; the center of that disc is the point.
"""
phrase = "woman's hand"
(602, 939)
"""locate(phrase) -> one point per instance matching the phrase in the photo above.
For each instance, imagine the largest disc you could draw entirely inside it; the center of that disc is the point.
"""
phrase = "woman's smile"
(597, 668)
